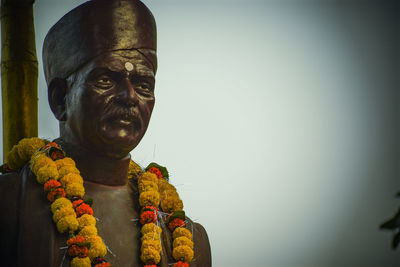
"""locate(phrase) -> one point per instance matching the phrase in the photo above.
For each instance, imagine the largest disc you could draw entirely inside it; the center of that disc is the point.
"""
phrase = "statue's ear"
(57, 96)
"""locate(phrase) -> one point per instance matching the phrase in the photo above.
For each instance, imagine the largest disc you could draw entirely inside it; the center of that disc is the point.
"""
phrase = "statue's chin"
(118, 141)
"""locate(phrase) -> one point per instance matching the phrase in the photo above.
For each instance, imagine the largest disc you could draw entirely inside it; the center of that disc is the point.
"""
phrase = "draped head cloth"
(94, 28)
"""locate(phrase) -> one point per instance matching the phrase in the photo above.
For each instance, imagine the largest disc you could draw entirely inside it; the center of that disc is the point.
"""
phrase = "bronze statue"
(100, 64)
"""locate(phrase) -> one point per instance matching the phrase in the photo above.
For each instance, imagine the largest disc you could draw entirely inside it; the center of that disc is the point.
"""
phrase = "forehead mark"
(128, 66)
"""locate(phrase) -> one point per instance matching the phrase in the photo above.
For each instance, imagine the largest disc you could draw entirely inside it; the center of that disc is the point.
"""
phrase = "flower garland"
(64, 188)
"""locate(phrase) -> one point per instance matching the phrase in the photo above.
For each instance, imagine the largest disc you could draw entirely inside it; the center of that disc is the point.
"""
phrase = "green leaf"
(162, 169)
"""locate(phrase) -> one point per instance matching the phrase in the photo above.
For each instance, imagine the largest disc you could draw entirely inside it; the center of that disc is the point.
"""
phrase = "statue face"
(109, 103)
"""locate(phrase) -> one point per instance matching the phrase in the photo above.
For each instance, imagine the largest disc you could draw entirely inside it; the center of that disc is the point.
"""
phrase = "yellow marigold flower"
(94, 240)
(181, 231)
(27, 146)
(60, 203)
(182, 241)
(64, 170)
(133, 169)
(97, 247)
(87, 231)
(170, 201)
(13, 160)
(38, 160)
(148, 176)
(147, 186)
(71, 178)
(63, 212)
(150, 228)
(35, 156)
(151, 236)
(171, 204)
(149, 254)
(147, 197)
(81, 262)
(46, 173)
(183, 253)
(153, 244)
(65, 162)
(86, 220)
(75, 189)
(163, 185)
(68, 223)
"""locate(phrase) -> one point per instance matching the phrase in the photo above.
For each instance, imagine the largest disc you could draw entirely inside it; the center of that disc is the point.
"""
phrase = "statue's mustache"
(114, 110)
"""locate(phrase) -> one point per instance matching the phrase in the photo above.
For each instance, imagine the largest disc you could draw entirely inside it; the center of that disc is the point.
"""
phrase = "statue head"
(100, 63)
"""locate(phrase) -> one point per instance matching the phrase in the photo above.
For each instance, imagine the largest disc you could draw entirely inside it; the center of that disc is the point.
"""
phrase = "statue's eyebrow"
(143, 70)
(103, 70)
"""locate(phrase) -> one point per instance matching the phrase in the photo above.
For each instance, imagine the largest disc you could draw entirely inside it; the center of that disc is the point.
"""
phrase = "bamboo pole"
(19, 72)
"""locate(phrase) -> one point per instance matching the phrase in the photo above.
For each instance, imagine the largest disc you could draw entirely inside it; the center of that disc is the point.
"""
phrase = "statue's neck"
(96, 168)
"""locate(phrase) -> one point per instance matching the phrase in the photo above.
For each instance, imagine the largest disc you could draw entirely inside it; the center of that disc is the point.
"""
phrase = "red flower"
(148, 217)
(77, 246)
(76, 203)
(56, 154)
(83, 209)
(181, 264)
(78, 239)
(177, 222)
(78, 251)
(152, 265)
(156, 171)
(100, 262)
(50, 184)
(52, 144)
(55, 193)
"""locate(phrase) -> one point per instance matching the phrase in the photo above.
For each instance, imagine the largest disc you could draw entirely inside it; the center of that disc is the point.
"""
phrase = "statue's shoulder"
(10, 184)
(202, 250)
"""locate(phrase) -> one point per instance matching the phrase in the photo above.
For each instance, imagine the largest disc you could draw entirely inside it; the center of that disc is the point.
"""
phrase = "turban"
(94, 28)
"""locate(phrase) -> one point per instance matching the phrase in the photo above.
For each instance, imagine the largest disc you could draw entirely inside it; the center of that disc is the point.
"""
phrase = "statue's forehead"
(124, 60)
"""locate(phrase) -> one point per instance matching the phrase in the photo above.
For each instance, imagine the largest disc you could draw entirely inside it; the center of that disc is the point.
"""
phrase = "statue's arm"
(202, 249)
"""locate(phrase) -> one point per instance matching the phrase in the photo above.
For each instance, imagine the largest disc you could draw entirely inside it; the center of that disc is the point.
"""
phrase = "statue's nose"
(127, 94)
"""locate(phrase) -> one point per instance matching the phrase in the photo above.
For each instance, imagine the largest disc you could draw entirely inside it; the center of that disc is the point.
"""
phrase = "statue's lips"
(124, 121)
(120, 116)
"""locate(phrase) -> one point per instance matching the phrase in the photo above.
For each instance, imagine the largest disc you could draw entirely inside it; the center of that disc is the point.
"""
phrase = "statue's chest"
(117, 213)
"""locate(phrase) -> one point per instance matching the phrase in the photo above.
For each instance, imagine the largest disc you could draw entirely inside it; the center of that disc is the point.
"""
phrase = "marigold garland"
(63, 184)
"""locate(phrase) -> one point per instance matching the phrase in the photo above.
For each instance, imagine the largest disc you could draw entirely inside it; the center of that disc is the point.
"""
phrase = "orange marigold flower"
(56, 193)
(150, 208)
(97, 262)
(52, 144)
(77, 246)
(76, 203)
(56, 154)
(148, 217)
(78, 239)
(152, 265)
(177, 222)
(156, 171)
(181, 264)
(83, 209)
(50, 184)
(78, 251)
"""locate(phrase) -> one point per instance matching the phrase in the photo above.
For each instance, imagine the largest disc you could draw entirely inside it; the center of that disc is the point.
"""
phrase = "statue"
(100, 64)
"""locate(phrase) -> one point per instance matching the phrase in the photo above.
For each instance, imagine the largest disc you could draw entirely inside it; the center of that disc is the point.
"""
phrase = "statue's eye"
(143, 86)
(104, 81)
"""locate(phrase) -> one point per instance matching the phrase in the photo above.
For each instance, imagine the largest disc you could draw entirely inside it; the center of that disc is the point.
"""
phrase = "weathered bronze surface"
(100, 64)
